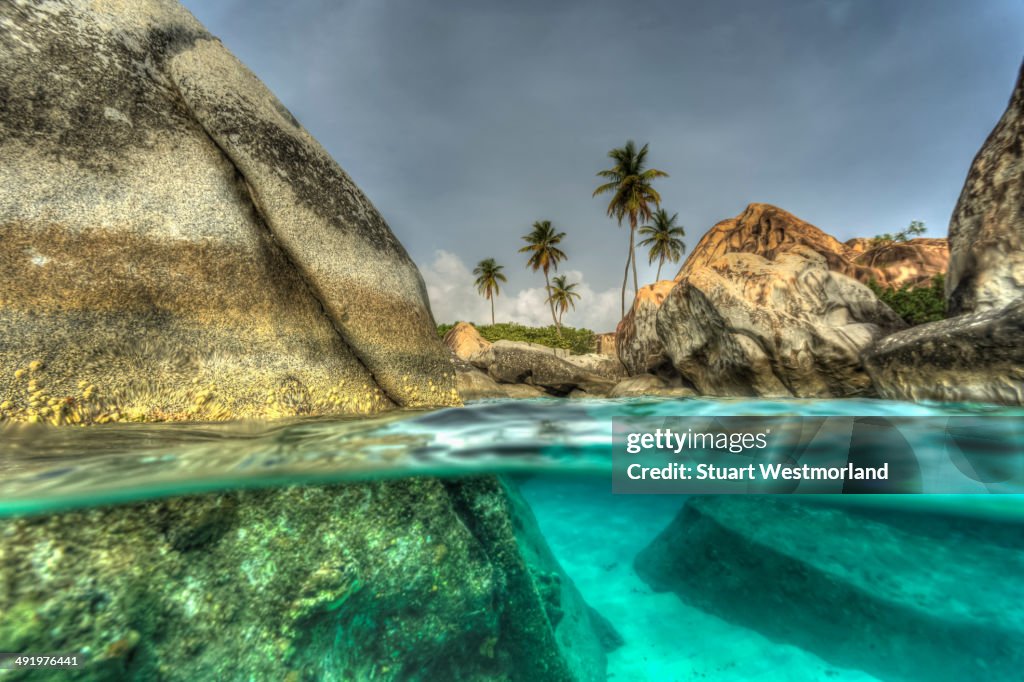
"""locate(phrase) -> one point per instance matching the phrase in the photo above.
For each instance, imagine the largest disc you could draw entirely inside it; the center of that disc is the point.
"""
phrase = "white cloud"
(453, 296)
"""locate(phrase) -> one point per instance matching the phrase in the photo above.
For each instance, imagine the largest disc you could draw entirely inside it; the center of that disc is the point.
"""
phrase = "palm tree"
(488, 274)
(562, 295)
(664, 238)
(542, 245)
(632, 195)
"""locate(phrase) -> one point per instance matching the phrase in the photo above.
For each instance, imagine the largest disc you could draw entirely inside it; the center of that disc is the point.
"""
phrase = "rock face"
(649, 385)
(978, 354)
(986, 232)
(605, 343)
(769, 231)
(636, 337)
(173, 239)
(510, 362)
(465, 341)
(898, 596)
(300, 583)
(607, 366)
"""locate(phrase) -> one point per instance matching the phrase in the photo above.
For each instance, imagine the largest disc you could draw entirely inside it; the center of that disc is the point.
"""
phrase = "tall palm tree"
(542, 245)
(664, 238)
(562, 295)
(632, 196)
(488, 274)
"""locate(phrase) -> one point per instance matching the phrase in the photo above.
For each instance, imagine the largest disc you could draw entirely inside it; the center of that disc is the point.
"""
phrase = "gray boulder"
(747, 325)
(978, 354)
(648, 384)
(510, 362)
(176, 245)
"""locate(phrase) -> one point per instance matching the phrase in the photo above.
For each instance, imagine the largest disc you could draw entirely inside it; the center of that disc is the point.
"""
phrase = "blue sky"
(464, 121)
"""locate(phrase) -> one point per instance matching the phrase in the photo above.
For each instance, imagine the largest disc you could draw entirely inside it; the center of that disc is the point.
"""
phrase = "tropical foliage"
(916, 228)
(562, 297)
(572, 339)
(664, 239)
(488, 274)
(915, 305)
(542, 245)
(629, 183)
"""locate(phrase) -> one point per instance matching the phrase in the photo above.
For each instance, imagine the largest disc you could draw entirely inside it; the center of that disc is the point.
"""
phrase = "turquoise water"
(954, 563)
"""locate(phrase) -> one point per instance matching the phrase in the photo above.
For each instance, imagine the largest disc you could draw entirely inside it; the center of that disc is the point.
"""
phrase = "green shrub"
(575, 340)
(915, 305)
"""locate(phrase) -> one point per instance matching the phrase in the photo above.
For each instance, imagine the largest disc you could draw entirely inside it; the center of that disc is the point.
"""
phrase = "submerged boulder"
(901, 596)
(978, 354)
(175, 245)
(405, 580)
(746, 325)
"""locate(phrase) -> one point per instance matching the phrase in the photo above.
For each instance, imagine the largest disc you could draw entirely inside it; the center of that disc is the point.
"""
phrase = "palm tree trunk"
(632, 253)
(661, 261)
(625, 281)
(492, 311)
(551, 304)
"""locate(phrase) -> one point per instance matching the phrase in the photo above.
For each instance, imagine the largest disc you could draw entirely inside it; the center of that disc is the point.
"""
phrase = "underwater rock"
(979, 353)
(176, 245)
(416, 579)
(746, 325)
(986, 231)
(899, 603)
(465, 341)
(511, 362)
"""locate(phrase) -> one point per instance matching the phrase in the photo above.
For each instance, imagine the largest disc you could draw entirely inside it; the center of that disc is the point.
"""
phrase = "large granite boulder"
(512, 362)
(465, 341)
(986, 231)
(408, 580)
(607, 366)
(902, 596)
(175, 245)
(978, 354)
(746, 325)
(770, 231)
(636, 336)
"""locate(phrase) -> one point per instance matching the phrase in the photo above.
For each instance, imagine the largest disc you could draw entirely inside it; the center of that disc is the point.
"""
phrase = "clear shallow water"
(44, 469)
(559, 454)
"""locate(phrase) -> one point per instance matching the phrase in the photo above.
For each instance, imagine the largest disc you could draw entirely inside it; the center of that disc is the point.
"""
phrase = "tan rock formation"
(465, 341)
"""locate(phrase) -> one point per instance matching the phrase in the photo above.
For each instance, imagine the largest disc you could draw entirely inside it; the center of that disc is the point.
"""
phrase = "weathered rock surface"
(978, 354)
(607, 366)
(769, 231)
(899, 596)
(986, 231)
(745, 325)
(465, 341)
(173, 237)
(648, 384)
(473, 384)
(511, 362)
(605, 343)
(636, 337)
(974, 357)
(407, 580)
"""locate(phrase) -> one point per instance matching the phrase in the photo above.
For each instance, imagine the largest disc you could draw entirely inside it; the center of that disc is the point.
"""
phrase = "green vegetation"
(542, 245)
(575, 340)
(664, 239)
(562, 295)
(632, 195)
(916, 228)
(488, 274)
(915, 305)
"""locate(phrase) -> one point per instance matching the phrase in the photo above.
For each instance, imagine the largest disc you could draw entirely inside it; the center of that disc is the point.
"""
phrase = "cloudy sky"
(466, 120)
